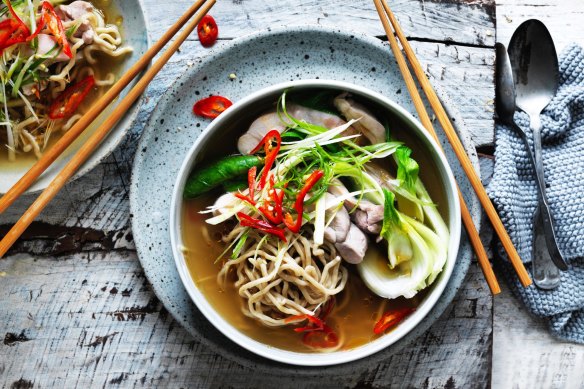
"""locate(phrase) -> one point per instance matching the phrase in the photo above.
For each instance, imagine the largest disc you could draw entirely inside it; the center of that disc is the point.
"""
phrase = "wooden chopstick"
(101, 132)
(427, 123)
(458, 148)
(50, 155)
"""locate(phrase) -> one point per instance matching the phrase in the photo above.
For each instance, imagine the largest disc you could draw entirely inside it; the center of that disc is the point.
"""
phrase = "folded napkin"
(513, 190)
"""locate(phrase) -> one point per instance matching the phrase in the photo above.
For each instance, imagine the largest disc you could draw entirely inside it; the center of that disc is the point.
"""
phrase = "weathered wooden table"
(77, 311)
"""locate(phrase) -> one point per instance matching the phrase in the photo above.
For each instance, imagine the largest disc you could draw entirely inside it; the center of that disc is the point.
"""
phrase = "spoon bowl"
(534, 63)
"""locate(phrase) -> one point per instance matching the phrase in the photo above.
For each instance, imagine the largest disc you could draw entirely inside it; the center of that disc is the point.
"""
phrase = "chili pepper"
(50, 18)
(15, 16)
(211, 107)
(314, 323)
(251, 176)
(258, 224)
(274, 201)
(326, 338)
(11, 33)
(271, 152)
(207, 31)
(390, 319)
(67, 102)
(295, 226)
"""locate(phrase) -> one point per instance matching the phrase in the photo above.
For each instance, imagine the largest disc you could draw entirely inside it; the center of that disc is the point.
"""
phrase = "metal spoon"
(545, 274)
(536, 73)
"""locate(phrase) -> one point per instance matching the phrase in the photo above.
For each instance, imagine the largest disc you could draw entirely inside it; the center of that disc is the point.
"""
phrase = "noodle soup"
(302, 284)
(53, 74)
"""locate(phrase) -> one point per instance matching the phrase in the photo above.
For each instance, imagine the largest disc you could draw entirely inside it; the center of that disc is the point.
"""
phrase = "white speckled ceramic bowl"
(260, 60)
(252, 106)
(135, 34)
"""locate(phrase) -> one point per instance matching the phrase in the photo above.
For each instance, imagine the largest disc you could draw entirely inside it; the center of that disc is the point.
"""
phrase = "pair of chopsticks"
(389, 21)
(103, 130)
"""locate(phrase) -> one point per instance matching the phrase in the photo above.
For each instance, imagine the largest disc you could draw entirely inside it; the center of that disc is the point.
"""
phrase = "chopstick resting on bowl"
(50, 155)
(387, 17)
(203, 6)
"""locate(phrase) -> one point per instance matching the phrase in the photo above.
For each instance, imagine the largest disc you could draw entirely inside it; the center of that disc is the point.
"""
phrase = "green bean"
(205, 179)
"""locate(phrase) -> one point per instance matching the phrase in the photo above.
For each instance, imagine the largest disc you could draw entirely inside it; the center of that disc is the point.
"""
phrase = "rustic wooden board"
(467, 22)
(100, 324)
(84, 235)
(77, 310)
(525, 355)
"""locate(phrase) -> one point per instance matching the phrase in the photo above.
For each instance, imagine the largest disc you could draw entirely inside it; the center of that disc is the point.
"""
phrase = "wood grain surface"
(77, 310)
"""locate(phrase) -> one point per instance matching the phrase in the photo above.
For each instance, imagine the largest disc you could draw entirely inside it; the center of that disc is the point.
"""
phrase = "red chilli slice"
(271, 151)
(11, 33)
(261, 225)
(12, 30)
(295, 226)
(326, 338)
(207, 31)
(391, 319)
(211, 107)
(314, 323)
(53, 21)
(67, 102)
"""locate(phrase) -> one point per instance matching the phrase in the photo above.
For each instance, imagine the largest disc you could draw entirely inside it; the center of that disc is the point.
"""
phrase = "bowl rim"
(336, 357)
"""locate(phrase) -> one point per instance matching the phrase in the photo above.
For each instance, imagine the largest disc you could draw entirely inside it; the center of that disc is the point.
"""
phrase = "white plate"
(259, 60)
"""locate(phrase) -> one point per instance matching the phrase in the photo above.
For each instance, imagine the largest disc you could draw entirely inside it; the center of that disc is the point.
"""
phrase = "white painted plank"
(464, 21)
(525, 355)
(562, 18)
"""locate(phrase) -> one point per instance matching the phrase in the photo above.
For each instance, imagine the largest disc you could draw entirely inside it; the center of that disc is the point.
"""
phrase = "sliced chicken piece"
(338, 189)
(73, 11)
(85, 31)
(338, 229)
(353, 248)
(313, 116)
(271, 121)
(47, 45)
(224, 203)
(368, 216)
(258, 129)
(366, 124)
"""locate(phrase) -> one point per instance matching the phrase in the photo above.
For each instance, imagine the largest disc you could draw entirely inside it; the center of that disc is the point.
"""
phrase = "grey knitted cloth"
(513, 190)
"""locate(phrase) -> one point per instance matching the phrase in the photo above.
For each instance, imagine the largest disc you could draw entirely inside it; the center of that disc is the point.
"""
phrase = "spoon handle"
(546, 216)
(545, 274)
